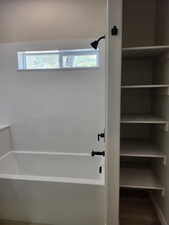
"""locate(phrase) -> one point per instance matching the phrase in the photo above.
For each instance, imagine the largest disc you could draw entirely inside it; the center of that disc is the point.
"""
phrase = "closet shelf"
(145, 51)
(145, 86)
(139, 178)
(140, 148)
(148, 119)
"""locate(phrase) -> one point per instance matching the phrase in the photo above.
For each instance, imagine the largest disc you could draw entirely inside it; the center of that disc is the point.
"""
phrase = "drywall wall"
(23, 20)
(51, 110)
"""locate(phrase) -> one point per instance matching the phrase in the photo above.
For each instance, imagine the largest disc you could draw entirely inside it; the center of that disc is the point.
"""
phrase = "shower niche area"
(144, 139)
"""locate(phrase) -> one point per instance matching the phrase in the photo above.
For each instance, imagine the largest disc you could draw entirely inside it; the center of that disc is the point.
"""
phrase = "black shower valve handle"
(100, 135)
(98, 153)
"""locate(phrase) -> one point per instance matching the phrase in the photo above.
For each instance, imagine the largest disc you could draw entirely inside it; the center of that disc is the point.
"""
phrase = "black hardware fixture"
(95, 43)
(100, 135)
(100, 169)
(93, 153)
(114, 31)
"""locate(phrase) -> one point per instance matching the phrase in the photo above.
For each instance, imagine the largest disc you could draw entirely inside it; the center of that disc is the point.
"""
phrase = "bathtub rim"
(6, 176)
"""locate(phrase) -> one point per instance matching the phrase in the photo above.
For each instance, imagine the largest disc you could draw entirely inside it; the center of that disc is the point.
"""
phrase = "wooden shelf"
(145, 86)
(140, 148)
(147, 51)
(139, 178)
(145, 119)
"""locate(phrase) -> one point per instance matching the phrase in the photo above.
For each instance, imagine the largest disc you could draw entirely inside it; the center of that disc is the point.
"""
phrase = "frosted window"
(58, 59)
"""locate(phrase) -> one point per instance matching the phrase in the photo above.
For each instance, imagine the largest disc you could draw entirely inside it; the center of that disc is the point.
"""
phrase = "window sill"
(59, 69)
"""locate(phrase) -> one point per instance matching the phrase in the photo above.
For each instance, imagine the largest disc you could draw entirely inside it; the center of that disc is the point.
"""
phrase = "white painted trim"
(70, 180)
(3, 127)
(52, 153)
(113, 99)
(60, 69)
(159, 212)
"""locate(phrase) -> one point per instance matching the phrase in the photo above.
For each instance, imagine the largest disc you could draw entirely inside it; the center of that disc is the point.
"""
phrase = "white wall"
(51, 110)
(29, 20)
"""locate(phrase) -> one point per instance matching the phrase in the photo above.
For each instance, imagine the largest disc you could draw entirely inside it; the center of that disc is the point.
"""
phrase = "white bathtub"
(52, 188)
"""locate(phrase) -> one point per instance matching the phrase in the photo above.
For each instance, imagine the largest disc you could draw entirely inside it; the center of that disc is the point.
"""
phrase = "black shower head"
(95, 43)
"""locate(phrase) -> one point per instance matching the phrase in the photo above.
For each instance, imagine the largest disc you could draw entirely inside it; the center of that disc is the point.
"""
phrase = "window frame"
(22, 65)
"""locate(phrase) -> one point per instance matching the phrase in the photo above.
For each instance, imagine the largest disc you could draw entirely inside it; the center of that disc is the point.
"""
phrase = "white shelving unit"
(145, 86)
(144, 131)
(139, 178)
(143, 119)
(147, 51)
(161, 89)
(140, 148)
(135, 177)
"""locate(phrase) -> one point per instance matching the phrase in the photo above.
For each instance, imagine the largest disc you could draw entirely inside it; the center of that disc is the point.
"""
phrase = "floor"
(136, 209)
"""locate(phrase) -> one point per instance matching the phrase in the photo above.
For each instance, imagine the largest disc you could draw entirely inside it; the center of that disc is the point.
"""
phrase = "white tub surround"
(52, 167)
(52, 110)
(52, 188)
(5, 139)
